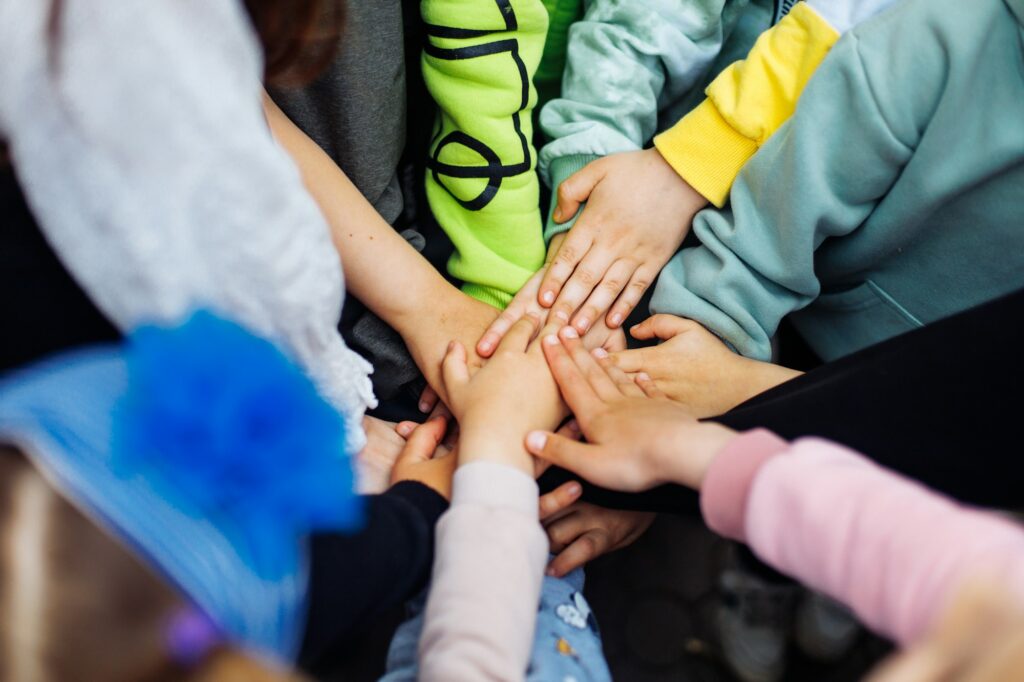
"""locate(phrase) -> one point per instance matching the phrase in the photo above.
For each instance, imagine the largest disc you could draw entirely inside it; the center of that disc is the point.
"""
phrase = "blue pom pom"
(225, 422)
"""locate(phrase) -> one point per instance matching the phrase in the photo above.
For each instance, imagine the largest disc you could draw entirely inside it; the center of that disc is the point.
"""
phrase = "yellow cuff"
(706, 152)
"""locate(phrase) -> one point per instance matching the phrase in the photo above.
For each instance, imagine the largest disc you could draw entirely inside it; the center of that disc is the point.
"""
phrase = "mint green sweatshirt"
(893, 197)
(633, 67)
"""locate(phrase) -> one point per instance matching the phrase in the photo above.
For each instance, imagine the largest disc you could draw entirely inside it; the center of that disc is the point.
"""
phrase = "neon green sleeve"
(482, 186)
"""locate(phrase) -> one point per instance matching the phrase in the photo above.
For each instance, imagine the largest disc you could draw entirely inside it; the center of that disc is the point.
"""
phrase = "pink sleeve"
(491, 553)
(887, 547)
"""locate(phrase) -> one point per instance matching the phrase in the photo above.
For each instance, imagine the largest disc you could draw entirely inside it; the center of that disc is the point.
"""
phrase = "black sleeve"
(940, 404)
(353, 578)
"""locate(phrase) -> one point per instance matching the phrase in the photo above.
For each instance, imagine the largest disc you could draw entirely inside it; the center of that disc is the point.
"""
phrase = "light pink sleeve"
(887, 547)
(488, 569)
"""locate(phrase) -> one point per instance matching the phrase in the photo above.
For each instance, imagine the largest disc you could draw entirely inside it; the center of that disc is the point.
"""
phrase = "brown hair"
(76, 605)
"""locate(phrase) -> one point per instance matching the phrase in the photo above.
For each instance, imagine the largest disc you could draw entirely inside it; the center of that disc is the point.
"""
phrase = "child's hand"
(423, 460)
(513, 393)
(638, 211)
(695, 368)
(637, 437)
(456, 316)
(374, 462)
(525, 302)
(581, 532)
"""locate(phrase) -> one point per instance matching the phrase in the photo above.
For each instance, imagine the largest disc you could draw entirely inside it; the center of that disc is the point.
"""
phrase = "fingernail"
(562, 315)
(404, 429)
(485, 346)
(643, 376)
(570, 333)
(536, 441)
(548, 297)
(551, 340)
(583, 324)
(616, 319)
(451, 345)
(574, 489)
(550, 572)
(599, 353)
(558, 214)
(424, 406)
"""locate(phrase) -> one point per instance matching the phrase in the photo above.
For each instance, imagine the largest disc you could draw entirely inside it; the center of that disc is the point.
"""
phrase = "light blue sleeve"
(626, 59)
(820, 176)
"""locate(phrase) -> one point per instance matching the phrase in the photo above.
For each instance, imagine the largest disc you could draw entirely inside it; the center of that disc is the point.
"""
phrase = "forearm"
(377, 261)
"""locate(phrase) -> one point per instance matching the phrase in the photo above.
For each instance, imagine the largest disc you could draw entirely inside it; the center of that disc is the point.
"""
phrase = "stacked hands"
(513, 410)
(558, 349)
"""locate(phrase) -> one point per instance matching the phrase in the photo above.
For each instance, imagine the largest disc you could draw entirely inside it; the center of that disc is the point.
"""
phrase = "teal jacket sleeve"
(819, 177)
(625, 59)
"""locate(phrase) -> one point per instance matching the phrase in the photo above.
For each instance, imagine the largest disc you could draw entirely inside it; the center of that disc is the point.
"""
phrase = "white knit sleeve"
(140, 142)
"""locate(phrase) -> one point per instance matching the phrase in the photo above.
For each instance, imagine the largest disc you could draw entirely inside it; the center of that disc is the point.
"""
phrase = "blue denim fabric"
(566, 646)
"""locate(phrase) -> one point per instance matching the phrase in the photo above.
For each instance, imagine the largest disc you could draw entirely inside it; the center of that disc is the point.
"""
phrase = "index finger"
(577, 391)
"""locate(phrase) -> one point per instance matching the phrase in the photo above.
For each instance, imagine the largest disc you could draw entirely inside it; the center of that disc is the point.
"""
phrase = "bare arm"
(381, 269)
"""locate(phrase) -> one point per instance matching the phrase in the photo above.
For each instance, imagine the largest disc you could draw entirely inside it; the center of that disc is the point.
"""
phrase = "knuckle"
(565, 190)
(558, 536)
(640, 284)
(612, 284)
(586, 276)
(590, 546)
(567, 255)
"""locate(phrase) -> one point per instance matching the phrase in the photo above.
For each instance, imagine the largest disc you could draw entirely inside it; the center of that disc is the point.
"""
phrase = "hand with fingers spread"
(581, 532)
(513, 393)
(423, 460)
(637, 437)
(694, 367)
(638, 211)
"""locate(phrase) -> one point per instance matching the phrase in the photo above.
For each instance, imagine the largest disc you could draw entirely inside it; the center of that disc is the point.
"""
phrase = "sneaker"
(825, 629)
(753, 622)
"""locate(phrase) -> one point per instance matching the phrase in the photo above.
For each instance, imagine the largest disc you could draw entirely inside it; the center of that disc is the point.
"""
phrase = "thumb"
(663, 327)
(575, 190)
(454, 370)
(423, 441)
(561, 451)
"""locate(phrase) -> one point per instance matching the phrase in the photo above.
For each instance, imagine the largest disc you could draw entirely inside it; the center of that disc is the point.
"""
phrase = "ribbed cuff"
(706, 152)
(560, 170)
(726, 488)
(428, 501)
(489, 295)
(494, 485)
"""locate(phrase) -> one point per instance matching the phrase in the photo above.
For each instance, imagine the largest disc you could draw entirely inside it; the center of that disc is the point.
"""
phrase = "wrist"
(502, 445)
(431, 293)
(695, 448)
